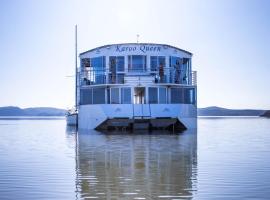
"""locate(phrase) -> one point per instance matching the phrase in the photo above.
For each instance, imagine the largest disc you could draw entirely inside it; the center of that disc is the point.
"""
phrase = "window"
(115, 96)
(185, 70)
(117, 64)
(162, 96)
(183, 95)
(98, 95)
(85, 67)
(85, 96)
(179, 68)
(157, 62)
(189, 95)
(175, 69)
(153, 63)
(85, 62)
(153, 95)
(97, 70)
(136, 63)
(120, 78)
(108, 96)
(125, 95)
(176, 95)
(120, 63)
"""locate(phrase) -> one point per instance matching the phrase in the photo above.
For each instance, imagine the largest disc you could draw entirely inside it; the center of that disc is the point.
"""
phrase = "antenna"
(76, 55)
(138, 38)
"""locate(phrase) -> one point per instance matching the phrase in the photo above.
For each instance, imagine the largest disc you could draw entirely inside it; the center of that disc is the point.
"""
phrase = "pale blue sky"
(230, 42)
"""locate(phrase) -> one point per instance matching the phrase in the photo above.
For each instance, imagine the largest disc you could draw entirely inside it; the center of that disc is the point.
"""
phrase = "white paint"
(91, 116)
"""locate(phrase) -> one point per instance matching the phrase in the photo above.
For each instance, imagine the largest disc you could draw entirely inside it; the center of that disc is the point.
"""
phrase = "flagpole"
(76, 77)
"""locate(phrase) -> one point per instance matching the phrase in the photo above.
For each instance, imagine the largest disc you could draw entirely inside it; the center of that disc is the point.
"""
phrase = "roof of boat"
(108, 45)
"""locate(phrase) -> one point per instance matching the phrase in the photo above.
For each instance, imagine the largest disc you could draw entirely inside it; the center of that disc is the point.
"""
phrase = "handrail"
(88, 77)
(194, 78)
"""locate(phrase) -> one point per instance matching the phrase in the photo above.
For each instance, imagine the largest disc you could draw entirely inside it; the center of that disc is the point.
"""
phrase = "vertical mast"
(76, 67)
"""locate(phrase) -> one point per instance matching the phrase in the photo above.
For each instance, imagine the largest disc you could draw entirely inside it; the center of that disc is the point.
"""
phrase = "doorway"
(139, 95)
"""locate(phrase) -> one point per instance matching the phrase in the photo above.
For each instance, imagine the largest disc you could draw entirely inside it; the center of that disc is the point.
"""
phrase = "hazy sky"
(230, 42)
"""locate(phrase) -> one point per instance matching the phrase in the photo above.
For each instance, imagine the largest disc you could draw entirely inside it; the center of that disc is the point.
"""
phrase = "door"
(140, 108)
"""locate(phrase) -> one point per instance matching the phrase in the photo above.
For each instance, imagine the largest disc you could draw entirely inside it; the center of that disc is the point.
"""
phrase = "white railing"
(194, 78)
(93, 77)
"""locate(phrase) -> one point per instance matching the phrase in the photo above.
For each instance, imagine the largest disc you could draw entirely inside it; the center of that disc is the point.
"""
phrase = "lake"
(225, 158)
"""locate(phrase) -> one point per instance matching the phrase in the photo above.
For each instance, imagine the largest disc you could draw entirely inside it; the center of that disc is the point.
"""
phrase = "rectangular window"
(115, 96)
(85, 96)
(108, 96)
(120, 62)
(85, 62)
(189, 95)
(162, 96)
(117, 64)
(179, 69)
(98, 95)
(183, 95)
(98, 65)
(184, 71)
(153, 63)
(153, 95)
(136, 63)
(125, 95)
(120, 78)
(176, 95)
(157, 62)
(175, 69)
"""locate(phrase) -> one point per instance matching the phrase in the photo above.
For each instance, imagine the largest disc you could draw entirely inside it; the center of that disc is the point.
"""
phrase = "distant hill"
(48, 111)
(266, 114)
(217, 111)
(38, 111)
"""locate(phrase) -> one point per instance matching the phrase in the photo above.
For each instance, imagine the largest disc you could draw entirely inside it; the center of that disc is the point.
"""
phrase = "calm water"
(226, 158)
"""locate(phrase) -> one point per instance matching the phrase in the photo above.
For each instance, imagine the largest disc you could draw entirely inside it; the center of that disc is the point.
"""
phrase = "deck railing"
(194, 78)
(169, 75)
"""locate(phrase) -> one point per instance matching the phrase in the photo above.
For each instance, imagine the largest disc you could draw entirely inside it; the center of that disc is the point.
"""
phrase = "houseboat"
(136, 86)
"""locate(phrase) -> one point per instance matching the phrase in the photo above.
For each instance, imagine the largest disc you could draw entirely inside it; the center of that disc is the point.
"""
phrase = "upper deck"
(136, 62)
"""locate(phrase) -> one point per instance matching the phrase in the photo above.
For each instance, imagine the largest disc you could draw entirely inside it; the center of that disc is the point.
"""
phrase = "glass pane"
(113, 64)
(153, 63)
(120, 78)
(153, 96)
(115, 96)
(129, 63)
(120, 63)
(184, 71)
(98, 70)
(85, 96)
(138, 63)
(85, 62)
(126, 95)
(108, 96)
(161, 66)
(189, 95)
(175, 69)
(177, 95)
(162, 95)
(98, 95)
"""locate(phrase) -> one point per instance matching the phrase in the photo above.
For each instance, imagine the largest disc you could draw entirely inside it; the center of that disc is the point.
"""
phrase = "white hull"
(71, 119)
(92, 116)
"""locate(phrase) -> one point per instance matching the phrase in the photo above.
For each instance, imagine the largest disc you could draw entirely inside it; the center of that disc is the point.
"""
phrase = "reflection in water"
(136, 166)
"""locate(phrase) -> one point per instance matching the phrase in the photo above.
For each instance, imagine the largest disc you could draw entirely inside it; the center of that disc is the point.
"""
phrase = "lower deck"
(134, 116)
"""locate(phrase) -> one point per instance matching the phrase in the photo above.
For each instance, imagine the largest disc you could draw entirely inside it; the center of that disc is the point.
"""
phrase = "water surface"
(225, 158)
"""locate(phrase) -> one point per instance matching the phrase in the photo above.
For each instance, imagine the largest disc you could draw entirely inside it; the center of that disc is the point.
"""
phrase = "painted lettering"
(142, 48)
